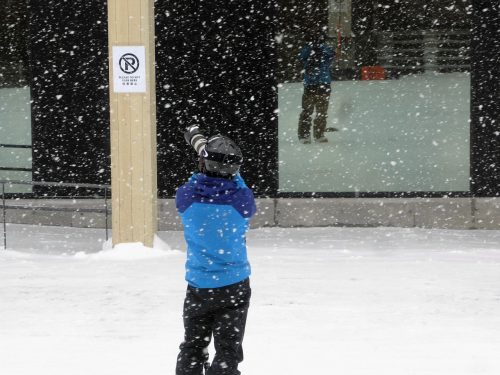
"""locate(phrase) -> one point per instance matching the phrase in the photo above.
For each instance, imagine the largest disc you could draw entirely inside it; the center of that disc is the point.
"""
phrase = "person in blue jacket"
(215, 207)
(317, 58)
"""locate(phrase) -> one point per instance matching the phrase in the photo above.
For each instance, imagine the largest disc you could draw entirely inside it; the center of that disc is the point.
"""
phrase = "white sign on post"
(129, 69)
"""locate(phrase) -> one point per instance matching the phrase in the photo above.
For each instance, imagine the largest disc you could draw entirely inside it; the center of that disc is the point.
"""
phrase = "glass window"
(15, 110)
(374, 97)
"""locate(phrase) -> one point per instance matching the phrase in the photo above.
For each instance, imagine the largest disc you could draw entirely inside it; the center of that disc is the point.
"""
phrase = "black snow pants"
(314, 97)
(221, 312)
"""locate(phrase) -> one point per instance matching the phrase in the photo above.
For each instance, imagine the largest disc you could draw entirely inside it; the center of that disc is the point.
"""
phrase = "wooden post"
(133, 120)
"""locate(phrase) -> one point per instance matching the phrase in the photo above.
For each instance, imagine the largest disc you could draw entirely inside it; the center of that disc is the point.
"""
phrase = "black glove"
(195, 138)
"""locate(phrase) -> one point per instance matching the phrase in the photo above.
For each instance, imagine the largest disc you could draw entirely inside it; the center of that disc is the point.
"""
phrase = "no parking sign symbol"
(129, 69)
(129, 63)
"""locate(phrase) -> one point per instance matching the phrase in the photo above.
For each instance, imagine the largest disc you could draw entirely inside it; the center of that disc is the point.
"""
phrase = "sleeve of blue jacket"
(329, 53)
(305, 52)
(215, 214)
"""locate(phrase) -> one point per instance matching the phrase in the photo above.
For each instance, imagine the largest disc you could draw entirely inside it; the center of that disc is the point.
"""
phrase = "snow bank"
(131, 251)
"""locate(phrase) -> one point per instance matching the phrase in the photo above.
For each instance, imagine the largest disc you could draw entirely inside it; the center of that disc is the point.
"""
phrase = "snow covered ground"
(410, 134)
(348, 301)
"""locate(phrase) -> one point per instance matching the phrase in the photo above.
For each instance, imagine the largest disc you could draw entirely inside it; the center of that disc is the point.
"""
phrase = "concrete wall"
(447, 213)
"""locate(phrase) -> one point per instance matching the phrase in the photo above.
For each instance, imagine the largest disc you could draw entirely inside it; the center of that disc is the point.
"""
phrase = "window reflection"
(15, 110)
(397, 115)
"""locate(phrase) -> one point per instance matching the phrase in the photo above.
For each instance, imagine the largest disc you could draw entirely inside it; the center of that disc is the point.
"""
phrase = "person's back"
(215, 213)
(215, 207)
(317, 59)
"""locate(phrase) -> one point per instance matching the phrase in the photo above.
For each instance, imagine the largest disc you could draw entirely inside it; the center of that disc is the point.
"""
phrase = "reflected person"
(317, 58)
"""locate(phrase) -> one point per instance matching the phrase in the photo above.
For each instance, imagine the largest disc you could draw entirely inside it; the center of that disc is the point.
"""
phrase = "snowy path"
(325, 301)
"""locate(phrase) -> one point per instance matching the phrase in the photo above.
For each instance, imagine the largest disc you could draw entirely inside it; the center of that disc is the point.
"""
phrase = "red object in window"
(372, 73)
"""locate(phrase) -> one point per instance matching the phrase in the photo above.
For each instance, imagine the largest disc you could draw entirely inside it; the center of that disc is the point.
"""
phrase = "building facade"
(430, 129)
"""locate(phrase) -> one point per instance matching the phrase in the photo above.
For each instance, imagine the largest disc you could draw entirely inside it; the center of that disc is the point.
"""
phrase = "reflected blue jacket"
(323, 75)
(215, 213)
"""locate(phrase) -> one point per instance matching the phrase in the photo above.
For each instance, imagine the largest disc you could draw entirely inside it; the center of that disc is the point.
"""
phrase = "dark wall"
(297, 20)
(14, 44)
(215, 67)
(365, 41)
(372, 16)
(414, 15)
(69, 88)
(485, 99)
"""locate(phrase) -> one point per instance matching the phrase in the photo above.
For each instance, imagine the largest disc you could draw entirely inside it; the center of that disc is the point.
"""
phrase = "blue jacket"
(215, 213)
(322, 75)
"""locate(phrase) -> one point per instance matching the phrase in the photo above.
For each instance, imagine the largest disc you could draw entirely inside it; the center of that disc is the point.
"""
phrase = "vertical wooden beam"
(133, 122)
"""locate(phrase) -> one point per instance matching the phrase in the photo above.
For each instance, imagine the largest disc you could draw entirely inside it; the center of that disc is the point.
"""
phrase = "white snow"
(131, 251)
(348, 301)
(420, 122)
